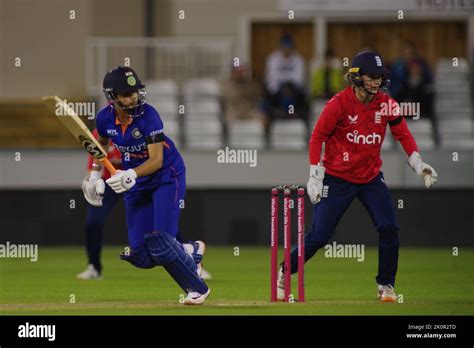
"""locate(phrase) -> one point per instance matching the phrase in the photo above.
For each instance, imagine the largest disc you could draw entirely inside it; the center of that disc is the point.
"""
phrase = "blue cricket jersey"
(132, 141)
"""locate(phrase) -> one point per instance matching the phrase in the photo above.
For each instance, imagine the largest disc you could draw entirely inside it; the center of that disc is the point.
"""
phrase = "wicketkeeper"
(352, 125)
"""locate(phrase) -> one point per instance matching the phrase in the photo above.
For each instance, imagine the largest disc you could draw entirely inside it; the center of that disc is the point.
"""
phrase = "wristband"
(94, 175)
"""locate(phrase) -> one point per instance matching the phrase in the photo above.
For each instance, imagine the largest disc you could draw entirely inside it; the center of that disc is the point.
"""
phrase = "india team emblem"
(131, 81)
(136, 134)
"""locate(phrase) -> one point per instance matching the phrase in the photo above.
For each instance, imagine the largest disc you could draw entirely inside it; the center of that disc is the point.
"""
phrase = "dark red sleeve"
(324, 128)
(400, 131)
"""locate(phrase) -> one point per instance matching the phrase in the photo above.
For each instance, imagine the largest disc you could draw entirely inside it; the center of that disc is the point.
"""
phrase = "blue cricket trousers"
(157, 207)
(94, 225)
(326, 215)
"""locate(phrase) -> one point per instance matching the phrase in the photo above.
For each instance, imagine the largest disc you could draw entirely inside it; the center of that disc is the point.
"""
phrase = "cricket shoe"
(281, 284)
(195, 298)
(91, 273)
(386, 293)
(205, 275)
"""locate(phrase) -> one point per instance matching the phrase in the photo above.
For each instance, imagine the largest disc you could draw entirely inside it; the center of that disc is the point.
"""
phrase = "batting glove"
(315, 183)
(122, 181)
(94, 189)
(423, 169)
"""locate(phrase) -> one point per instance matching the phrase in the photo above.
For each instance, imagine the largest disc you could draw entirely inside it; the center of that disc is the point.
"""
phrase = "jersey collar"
(117, 121)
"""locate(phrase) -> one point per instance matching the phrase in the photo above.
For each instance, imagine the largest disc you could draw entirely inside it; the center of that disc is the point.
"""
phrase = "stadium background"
(226, 203)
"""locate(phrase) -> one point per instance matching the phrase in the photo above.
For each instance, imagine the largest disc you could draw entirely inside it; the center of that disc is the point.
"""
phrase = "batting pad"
(167, 252)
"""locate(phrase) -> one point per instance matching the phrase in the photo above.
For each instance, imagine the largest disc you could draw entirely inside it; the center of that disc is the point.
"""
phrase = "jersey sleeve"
(325, 126)
(100, 125)
(153, 127)
(400, 131)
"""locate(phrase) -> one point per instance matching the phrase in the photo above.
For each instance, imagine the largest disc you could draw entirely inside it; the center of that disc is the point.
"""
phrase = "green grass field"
(432, 282)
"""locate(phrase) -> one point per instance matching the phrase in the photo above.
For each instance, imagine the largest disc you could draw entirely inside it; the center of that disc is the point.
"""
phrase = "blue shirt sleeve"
(152, 126)
(100, 124)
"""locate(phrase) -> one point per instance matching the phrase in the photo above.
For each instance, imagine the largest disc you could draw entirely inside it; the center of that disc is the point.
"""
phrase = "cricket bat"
(79, 130)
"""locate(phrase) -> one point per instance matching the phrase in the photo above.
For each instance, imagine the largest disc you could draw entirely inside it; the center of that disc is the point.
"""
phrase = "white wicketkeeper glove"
(94, 188)
(315, 183)
(423, 169)
(122, 181)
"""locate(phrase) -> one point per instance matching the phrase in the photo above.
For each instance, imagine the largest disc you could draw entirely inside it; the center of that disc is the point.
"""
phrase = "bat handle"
(105, 161)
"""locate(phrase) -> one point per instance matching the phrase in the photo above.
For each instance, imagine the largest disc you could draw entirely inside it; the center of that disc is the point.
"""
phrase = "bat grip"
(105, 161)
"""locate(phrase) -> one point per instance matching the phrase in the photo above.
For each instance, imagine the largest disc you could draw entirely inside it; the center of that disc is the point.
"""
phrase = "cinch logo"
(357, 138)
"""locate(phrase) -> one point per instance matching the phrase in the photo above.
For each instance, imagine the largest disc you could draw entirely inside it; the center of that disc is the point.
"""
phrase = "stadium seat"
(204, 107)
(288, 134)
(203, 114)
(246, 134)
(201, 88)
(421, 127)
(453, 90)
(456, 127)
(162, 88)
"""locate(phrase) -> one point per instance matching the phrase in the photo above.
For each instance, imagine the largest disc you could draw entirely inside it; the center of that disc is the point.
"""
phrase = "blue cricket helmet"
(124, 81)
(368, 63)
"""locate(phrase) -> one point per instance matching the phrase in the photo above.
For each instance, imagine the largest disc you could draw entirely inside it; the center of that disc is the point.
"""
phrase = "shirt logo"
(136, 133)
(357, 138)
(112, 132)
(353, 119)
(378, 117)
(131, 81)
(159, 131)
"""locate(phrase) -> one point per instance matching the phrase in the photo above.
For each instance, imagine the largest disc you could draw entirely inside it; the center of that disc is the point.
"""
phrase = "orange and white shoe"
(386, 293)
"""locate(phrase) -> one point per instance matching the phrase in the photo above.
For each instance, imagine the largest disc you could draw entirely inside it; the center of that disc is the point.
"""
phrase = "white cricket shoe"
(205, 275)
(281, 285)
(195, 298)
(89, 274)
(386, 293)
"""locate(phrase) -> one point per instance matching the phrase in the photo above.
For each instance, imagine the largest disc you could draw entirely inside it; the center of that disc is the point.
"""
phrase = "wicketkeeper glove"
(94, 189)
(423, 169)
(315, 183)
(122, 181)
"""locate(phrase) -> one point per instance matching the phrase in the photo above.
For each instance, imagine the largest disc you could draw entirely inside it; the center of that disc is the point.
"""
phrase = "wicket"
(286, 240)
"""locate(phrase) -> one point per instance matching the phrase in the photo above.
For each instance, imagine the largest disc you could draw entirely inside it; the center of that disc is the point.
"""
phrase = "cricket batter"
(153, 182)
(352, 125)
(96, 216)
